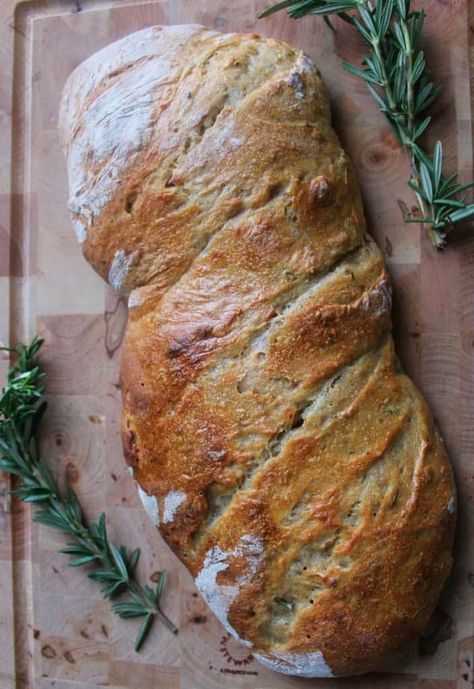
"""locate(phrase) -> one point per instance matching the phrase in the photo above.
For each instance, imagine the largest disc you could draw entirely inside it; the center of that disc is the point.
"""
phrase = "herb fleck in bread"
(293, 467)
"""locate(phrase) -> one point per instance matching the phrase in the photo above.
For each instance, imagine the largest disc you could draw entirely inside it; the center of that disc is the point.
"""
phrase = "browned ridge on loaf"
(289, 462)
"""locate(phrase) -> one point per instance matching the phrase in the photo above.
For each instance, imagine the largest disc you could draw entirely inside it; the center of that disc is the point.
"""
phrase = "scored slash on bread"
(291, 465)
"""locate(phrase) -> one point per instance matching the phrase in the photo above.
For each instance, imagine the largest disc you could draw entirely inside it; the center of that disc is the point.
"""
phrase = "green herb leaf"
(160, 585)
(82, 560)
(420, 128)
(279, 6)
(451, 203)
(104, 576)
(402, 8)
(437, 164)
(378, 98)
(129, 609)
(363, 74)
(133, 560)
(462, 214)
(118, 559)
(426, 182)
(418, 67)
(385, 17)
(75, 549)
(144, 631)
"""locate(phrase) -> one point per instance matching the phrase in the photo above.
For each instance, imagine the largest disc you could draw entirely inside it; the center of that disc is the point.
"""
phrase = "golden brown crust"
(298, 472)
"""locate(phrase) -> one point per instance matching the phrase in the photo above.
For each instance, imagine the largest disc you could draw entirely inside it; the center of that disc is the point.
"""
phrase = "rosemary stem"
(396, 75)
(137, 593)
(410, 90)
(83, 536)
(166, 621)
(386, 82)
(21, 409)
(407, 128)
(408, 140)
(81, 532)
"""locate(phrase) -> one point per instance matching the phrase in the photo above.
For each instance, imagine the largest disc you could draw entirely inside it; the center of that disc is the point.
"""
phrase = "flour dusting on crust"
(381, 295)
(119, 268)
(150, 503)
(221, 596)
(135, 299)
(304, 64)
(301, 664)
(105, 138)
(295, 81)
(79, 228)
(172, 501)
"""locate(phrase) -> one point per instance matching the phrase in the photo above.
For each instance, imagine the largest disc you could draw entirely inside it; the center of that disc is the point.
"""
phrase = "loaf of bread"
(285, 457)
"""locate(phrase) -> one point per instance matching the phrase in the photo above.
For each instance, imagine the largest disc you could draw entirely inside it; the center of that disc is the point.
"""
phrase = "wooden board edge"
(8, 674)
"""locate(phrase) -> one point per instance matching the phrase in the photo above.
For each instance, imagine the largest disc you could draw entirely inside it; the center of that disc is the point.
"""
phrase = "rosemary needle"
(395, 73)
(21, 410)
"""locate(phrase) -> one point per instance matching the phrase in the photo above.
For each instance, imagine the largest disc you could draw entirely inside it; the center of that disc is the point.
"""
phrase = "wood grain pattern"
(55, 630)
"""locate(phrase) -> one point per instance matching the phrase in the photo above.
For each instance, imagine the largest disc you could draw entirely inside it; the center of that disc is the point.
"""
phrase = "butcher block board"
(55, 629)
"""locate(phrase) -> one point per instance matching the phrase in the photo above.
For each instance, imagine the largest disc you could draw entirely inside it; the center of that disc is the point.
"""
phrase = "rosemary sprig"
(395, 73)
(21, 410)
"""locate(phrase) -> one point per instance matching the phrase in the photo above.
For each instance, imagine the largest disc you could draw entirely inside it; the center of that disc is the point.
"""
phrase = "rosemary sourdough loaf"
(286, 458)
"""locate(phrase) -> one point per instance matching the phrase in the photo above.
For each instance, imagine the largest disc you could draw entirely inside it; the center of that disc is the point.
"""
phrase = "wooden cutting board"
(55, 630)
